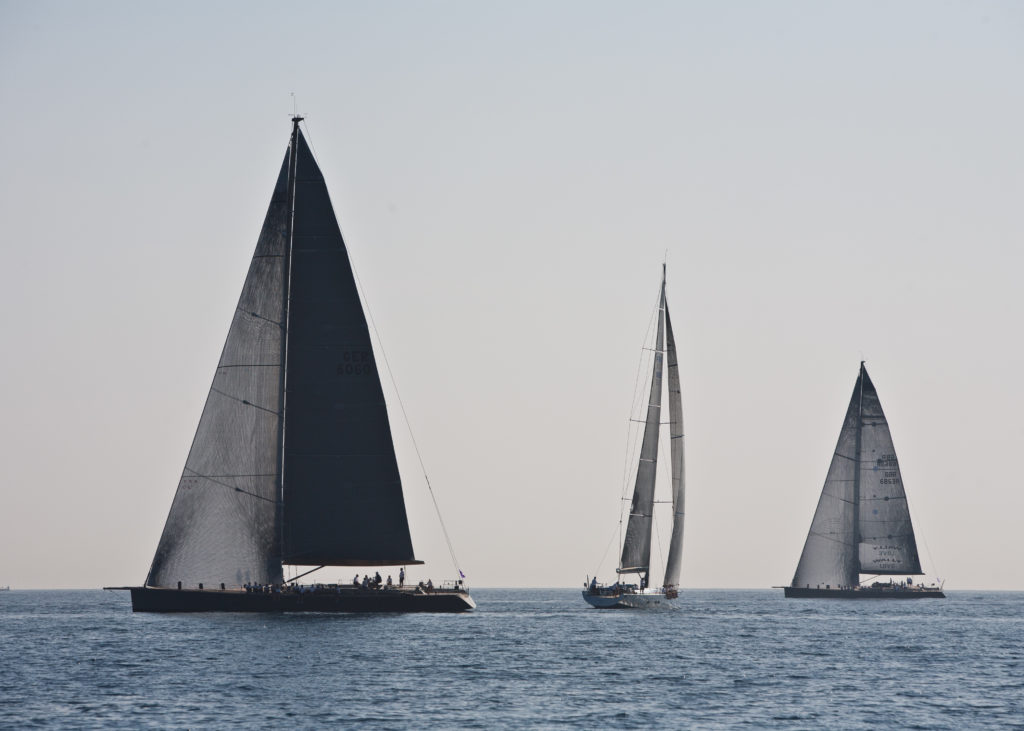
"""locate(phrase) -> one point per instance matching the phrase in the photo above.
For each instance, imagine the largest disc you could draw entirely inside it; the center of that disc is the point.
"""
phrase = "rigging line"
(935, 570)
(639, 388)
(605, 554)
(309, 139)
(405, 416)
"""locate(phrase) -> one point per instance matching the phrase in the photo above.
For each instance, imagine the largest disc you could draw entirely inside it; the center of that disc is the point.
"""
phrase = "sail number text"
(356, 363)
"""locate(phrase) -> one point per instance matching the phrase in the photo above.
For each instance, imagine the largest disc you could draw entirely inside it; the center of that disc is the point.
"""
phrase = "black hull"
(149, 599)
(794, 592)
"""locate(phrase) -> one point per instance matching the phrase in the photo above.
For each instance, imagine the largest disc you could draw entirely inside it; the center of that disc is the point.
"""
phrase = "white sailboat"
(636, 546)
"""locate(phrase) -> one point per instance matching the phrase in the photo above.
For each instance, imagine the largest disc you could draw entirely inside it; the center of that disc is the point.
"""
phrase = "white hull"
(654, 600)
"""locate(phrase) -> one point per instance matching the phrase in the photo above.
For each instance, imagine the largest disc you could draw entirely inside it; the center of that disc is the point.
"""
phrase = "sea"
(526, 658)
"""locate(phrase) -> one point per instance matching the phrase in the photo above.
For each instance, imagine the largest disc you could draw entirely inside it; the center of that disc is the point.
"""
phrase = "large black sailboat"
(293, 462)
(862, 523)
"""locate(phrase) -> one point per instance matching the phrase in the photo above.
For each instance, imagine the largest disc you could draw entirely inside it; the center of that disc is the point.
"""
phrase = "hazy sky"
(830, 181)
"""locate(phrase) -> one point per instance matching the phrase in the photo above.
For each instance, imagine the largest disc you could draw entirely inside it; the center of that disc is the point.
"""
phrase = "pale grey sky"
(830, 181)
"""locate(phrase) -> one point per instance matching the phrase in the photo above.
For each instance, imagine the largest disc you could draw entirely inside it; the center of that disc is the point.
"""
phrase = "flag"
(462, 575)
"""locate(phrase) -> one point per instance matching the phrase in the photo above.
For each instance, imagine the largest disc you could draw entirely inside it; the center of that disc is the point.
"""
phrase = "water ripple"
(525, 659)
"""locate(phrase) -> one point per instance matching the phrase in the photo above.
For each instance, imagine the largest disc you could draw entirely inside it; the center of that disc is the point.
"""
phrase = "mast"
(293, 166)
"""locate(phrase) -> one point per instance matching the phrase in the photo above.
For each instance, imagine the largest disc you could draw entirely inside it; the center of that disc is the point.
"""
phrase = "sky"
(827, 182)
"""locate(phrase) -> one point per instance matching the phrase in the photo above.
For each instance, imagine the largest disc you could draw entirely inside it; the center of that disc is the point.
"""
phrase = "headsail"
(636, 548)
(222, 526)
(862, 523)
(675, 411)
(343, 502)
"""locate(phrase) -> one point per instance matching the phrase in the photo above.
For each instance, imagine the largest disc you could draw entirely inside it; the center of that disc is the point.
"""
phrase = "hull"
(340, 599)
(794, 592)
(626, 601)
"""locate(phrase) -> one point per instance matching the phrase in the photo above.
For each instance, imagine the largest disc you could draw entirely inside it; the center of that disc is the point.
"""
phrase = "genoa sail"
(862, 522)
(675, 410)
(636, 547)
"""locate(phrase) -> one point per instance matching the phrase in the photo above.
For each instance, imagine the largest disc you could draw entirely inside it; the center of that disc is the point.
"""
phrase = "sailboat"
(636, 546)
(862, 524)
(293, 462)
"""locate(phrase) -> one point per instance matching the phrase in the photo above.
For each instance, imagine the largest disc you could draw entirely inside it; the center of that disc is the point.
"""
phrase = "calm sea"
(525, 658)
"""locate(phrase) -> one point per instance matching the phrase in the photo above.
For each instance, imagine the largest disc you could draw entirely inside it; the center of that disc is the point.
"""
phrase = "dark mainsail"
(862, 522)
(343, 502)
(293, 460)
(636, 547)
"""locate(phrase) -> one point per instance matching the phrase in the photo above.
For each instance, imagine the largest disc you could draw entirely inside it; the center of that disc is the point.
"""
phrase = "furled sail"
(829, 557)
(636, 547)
(887, 544)
(343, 502)
(222, 526)
(675, 411)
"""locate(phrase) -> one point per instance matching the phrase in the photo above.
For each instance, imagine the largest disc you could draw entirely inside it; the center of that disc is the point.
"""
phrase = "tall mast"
(293, 166)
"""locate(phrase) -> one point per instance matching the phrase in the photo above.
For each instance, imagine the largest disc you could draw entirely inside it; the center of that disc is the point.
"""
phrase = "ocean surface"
(525, 659)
